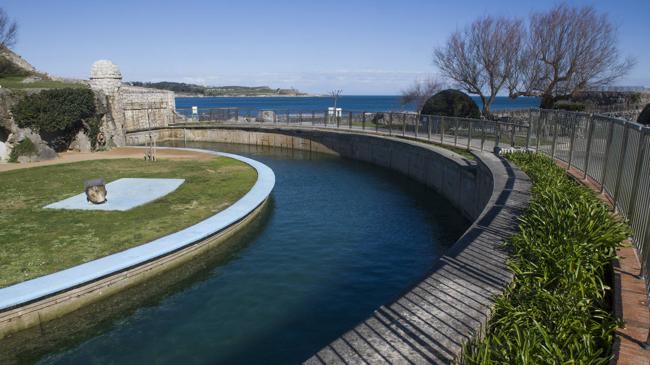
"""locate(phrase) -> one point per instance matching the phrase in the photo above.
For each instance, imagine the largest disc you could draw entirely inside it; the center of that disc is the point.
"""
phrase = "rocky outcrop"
(11, 134)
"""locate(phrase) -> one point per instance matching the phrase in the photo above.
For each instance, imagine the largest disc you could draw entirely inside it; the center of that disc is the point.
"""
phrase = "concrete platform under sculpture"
(123, 194)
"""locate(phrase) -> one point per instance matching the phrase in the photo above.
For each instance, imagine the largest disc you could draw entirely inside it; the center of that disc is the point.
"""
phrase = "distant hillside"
(199, 90)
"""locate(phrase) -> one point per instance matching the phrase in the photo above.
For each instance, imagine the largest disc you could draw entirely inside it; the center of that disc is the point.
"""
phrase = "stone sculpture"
(96, 191)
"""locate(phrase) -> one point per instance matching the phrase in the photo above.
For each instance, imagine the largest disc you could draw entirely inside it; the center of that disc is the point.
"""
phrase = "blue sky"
(362, 47)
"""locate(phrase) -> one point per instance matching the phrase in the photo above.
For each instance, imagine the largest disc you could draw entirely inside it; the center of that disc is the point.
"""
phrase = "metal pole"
(338, 120)
(554, 136)
(640, 154)
(456, 132)
(390, 124)
(482, 134)
(621, 163)
(313, 117)
(442, 130)
(363, 121)
(590, 136)
(403, 124)
(608, 147)
(429, 118)
(571, 143)
(530, 125)
(498, 137)
(539, 128)
(469, 134)
(350, 120)
(417, 125)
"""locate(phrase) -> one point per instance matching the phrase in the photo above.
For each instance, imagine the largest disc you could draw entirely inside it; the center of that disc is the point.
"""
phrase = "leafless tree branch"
(8, 30)
(420, 91)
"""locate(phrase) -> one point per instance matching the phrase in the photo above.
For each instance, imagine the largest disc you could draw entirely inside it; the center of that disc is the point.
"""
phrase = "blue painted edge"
(34, 289)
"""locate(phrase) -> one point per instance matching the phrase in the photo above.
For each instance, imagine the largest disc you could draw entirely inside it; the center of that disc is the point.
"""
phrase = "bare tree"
(567, 50)
(420, 91)
(8, 30)
(482, 58)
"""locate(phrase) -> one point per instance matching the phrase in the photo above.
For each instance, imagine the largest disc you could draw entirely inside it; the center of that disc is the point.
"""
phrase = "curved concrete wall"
(32, 302)
(465, 183)
(432, 321)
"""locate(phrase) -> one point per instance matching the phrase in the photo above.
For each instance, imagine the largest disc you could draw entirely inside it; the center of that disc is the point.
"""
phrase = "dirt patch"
(122, 152)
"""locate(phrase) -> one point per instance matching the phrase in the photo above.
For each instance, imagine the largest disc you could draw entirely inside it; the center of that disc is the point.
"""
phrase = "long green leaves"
(556, 310)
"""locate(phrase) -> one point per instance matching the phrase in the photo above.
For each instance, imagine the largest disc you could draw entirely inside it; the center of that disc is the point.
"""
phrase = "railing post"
(300, 118)
(456, 132)
(571, 142)
(621, 163)
(275, 118)
(390, 123)
(640, 155)
(554, 136)
(590, 137)
(350, 120)
(429, 118)
(539, 128)
(376, 123)
(442, 129)
(417, 125)
(482, 134)
(469, 134)
(530, 125)
(498, 136)
(338, 120)
(608, 147)
(512, 135)
(363, 121)
(313, 118)
(403, 124)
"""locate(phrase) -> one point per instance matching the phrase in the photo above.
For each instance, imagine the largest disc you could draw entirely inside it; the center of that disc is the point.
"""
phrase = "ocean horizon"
(370, 103)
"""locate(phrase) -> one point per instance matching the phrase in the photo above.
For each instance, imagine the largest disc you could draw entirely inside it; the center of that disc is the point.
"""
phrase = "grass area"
(557, 310)
(36, 241)
(15, 82)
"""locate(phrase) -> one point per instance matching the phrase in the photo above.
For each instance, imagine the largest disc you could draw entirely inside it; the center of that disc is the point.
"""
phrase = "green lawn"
(36, 241)
(15, 82)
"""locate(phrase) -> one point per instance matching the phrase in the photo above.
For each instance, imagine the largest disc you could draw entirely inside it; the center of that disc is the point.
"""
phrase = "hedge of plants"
(557, 310)
(57, 114)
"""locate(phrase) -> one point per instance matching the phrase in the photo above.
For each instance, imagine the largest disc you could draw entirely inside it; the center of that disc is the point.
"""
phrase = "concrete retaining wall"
(465, 183)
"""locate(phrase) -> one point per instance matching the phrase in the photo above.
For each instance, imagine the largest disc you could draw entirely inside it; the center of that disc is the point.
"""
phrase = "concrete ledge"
(29, 297)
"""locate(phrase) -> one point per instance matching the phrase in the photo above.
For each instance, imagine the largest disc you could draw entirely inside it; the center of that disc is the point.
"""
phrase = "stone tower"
(105, 76)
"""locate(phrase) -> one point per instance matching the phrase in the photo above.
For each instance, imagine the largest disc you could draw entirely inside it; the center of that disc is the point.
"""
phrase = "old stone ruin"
(122, 108)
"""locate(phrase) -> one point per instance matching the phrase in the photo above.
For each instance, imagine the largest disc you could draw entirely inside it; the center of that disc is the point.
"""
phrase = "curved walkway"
(47, 285)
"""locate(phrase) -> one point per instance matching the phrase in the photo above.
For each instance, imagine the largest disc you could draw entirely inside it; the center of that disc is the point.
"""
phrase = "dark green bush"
(451, 103)
(644, 117)
(57, 114)
(556, 310)
(25, 148)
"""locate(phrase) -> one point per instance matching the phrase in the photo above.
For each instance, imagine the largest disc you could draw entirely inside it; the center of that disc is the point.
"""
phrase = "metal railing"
(614, 153)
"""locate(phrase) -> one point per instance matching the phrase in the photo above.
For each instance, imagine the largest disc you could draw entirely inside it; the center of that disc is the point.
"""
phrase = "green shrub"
(556, 310)
(25, 148)
(644, 117)
(451, 103)
(57, 114)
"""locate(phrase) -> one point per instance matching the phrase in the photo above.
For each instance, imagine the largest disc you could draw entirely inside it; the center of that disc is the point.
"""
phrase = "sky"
(362, 47)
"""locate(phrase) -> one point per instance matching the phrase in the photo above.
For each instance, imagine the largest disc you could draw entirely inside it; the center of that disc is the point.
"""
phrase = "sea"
(369, 103)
